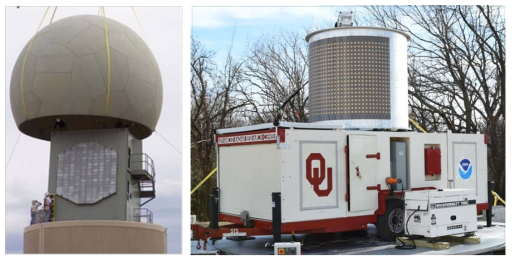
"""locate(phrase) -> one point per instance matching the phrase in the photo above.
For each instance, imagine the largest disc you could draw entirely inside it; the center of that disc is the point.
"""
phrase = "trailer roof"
(295, 125)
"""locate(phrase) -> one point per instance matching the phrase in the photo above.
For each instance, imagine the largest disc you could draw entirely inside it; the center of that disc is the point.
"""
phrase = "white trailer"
(328, 176)
(330, 179)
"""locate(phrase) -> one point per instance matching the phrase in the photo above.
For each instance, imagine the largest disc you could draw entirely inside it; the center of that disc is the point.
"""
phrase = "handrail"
(145, 213)
(141, 161)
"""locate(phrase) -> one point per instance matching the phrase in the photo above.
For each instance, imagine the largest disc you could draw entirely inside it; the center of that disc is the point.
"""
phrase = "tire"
(391, 224)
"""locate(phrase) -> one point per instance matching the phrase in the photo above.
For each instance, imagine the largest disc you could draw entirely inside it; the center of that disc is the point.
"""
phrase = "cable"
(399, 205)
(25, 60)
(53, 15)
(276, 121)
(200, 141)
(139, 23)
(365, 240)
(204, 180)
(404, 246)
(168, 142)
(108, 62)
(416, 125)
(12, 152)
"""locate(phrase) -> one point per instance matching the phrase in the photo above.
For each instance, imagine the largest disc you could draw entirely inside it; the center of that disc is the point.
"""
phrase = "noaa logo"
(465, 169)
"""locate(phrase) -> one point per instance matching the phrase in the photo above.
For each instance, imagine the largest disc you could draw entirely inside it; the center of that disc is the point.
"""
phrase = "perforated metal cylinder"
(358, 77)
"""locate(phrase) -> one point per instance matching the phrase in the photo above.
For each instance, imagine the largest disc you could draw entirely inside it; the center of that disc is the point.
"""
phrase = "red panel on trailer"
(313, 226)
(482, 206)
(433, 161)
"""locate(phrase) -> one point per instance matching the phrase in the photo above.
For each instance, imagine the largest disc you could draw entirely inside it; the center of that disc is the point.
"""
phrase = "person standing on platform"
(47, 207)
(34, 211)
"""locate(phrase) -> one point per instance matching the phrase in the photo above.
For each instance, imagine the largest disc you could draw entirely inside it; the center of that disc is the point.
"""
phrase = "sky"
(27, 172)
(215, 26)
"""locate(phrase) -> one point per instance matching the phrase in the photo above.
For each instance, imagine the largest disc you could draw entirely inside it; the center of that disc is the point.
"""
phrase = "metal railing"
(143, 215)
(142, 161)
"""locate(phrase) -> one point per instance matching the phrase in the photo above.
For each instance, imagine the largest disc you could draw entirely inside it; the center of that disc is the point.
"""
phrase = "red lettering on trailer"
(250, 138)
(316, 176)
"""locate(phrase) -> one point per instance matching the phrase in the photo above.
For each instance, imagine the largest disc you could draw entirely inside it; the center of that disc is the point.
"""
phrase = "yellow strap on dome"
(53, 14)
(108, 62)
(139, 23)
(25, 59)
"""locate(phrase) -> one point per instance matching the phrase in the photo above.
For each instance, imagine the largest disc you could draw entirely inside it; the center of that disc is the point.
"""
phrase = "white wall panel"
(248, 176)
(304, 204)
(473, 148)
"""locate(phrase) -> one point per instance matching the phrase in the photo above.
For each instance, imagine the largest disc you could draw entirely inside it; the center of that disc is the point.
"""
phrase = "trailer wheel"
(391, 224)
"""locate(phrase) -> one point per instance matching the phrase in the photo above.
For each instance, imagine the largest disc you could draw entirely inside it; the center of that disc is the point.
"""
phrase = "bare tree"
(276, 66)
(456, 69)
(214, 105)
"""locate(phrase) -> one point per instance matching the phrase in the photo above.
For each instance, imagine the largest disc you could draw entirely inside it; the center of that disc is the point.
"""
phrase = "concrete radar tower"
(93, 89)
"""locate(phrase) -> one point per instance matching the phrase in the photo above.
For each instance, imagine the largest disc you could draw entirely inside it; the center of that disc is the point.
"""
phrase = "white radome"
(65, 76)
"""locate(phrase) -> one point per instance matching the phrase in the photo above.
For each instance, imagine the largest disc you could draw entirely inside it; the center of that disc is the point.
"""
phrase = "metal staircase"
(142, 170)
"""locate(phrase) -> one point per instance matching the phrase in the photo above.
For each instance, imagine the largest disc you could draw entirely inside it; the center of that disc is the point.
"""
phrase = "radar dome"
(65, 77)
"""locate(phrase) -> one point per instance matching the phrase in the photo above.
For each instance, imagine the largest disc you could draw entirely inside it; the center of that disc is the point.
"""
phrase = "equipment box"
(436, 213)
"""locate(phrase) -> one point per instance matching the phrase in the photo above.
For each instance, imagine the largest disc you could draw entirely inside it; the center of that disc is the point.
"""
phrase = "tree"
(456, 70)
(214, 105)
(275, 67)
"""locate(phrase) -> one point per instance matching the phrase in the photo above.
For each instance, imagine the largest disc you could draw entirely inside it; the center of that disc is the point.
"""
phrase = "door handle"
(378, 187)
(357, 172)
(377, 156)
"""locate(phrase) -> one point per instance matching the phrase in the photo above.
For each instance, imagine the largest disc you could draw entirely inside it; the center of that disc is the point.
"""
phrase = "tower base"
(94, 236)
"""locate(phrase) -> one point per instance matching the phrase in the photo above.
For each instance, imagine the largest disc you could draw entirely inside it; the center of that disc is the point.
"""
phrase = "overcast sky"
(27, 172)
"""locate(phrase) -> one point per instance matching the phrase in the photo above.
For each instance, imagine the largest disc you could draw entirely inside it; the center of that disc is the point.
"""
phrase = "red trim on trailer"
(250, 138)
(313, 226)
(262, 227)
(486, 139)
(330, 225)
(261, 224)
(201, 232)
(482, 206)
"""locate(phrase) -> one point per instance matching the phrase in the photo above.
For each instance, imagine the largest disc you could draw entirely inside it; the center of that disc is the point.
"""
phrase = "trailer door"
(464, 160)
(363, 159)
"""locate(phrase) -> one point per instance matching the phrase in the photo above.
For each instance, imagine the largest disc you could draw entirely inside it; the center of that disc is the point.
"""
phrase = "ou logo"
(316, 176)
